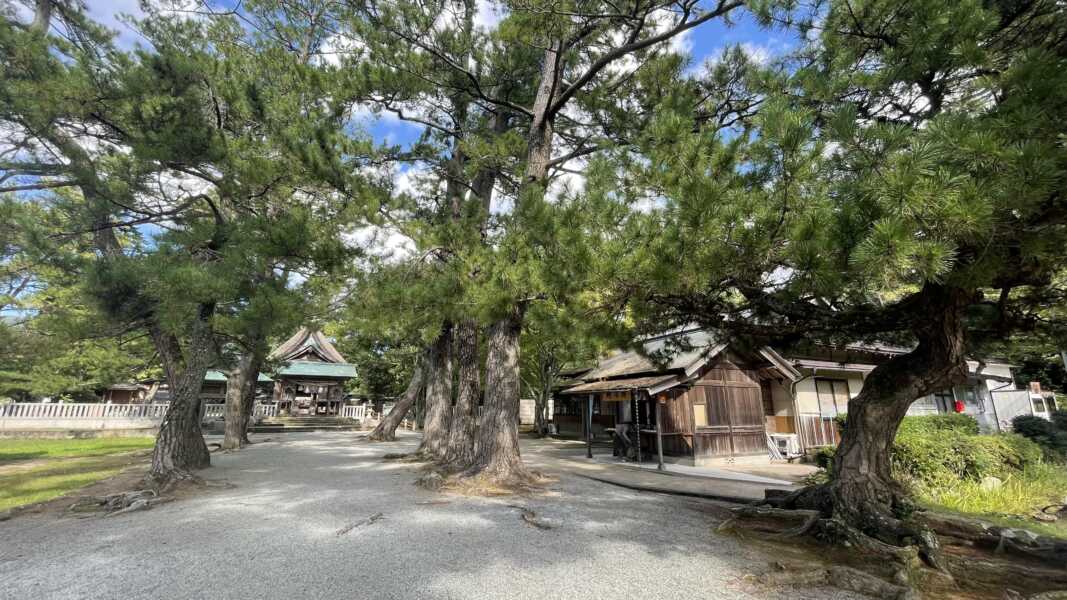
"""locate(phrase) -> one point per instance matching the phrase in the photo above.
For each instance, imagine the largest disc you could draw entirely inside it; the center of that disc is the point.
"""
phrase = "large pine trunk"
(460, 452)
(438, 418)
(250, 398)
(863, 493)
(180, 447)
(240, 388)
(386, 429)
(541, 410)
(497, 457)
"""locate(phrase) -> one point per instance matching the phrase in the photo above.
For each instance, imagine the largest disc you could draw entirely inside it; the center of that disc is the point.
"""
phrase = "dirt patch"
(119, 458)
(452, 483)
(134, 466)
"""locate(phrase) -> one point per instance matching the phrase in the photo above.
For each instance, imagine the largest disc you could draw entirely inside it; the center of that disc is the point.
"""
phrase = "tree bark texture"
(180, 447)
(461, 440)
(863, 491)
(539, 140)
(541, 411)
(250, 397)
(386, 429)
(435, 433)
(240, 392)
(497, 455)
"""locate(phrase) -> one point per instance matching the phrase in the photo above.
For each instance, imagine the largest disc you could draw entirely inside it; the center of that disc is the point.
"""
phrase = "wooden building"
(706, 401)
(129, 393)
(214, 389)
(312, 376)
(308, 378)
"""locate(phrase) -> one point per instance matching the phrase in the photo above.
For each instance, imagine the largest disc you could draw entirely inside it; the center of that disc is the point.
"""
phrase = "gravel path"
(300, 522)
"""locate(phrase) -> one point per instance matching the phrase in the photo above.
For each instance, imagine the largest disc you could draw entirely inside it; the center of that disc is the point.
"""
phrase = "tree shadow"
(301, 522)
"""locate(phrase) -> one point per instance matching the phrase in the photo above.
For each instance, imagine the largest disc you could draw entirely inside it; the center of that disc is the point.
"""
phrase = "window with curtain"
(833, 396)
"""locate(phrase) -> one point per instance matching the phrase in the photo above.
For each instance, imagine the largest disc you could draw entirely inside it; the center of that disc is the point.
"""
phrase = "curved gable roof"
(306, 342)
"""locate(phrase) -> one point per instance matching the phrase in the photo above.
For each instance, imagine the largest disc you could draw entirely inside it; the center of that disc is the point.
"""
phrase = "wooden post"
(659, 435)
(637, 422)
(589, 428)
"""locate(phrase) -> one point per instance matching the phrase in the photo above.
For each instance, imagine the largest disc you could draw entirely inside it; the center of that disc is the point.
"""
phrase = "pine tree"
(185, 143)
(901, 180)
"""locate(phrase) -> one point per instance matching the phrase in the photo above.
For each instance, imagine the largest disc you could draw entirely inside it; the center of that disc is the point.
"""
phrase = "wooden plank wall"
(736, 425)
(677, 416)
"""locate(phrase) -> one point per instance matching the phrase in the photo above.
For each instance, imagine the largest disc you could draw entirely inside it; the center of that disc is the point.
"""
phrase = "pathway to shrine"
(321, 515)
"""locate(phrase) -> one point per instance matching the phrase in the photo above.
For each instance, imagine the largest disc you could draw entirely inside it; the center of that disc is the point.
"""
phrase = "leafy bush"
(1033, 427)
(929, 461)
(1059, 417)
(937, 452)
(956, 422)
(824, 456)
(1044, 432)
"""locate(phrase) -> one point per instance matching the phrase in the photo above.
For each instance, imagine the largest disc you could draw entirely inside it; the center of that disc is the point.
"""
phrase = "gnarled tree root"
(471, 482)
(380, 436)
(118, 504)
(841, 577)
(999, 540)
(980, 554)
(166, 481)
(781, 524)
(409, 457)
(881, 534)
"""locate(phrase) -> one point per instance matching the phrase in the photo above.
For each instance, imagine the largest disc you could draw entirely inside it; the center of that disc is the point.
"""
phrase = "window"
(700, 407)
(1039, 403)
(833, 396)
(923, 406)
(945, 401)
(700, 415)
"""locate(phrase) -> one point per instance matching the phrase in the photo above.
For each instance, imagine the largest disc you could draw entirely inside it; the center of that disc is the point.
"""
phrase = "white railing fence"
(265, 410)
(38, 412)
(35, 410)
(213, 410)
(358, 412)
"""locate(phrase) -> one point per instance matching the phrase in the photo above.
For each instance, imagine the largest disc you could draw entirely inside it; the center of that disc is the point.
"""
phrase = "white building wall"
(808, 397)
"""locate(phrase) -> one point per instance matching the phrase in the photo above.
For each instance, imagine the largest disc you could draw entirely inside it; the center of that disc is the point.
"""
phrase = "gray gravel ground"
(275, 535)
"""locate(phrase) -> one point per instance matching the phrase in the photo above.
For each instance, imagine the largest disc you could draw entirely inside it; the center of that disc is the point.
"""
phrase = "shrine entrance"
(310, 399)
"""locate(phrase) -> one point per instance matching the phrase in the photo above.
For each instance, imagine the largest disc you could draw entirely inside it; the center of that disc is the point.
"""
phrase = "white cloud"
(336, 48)
(489, 15)
(682, 43)
(757, 53)
(381, 242)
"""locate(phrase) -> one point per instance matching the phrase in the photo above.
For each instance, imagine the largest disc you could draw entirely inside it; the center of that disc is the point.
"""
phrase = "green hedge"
(1050, 435)
(938, 451)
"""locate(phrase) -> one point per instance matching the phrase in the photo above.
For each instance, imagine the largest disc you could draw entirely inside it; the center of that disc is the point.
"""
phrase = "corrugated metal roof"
(218, 376)
(621, 385)
(301, 368)
(682, 351)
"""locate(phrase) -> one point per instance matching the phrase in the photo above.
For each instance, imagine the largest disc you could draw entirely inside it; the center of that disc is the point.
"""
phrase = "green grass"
(27, 486)
(1021, 495)
(16, 450)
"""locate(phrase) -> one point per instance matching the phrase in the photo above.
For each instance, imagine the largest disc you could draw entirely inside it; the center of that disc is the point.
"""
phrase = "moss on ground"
(33, 471)
(28, 449)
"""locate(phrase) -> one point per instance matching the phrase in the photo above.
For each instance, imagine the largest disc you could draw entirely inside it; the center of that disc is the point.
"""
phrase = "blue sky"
(702, 43)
